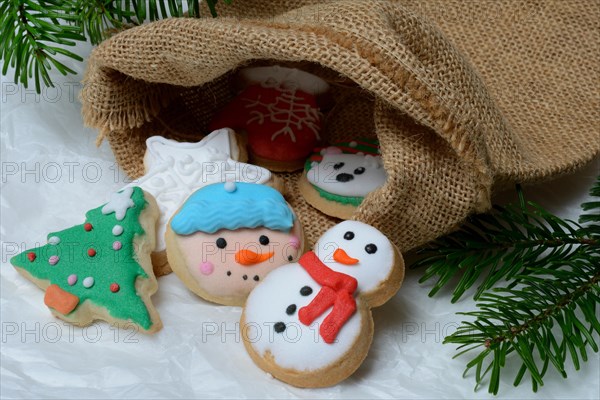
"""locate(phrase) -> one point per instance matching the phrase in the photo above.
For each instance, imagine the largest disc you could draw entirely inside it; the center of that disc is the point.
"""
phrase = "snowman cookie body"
(309, 323)
(228, 237)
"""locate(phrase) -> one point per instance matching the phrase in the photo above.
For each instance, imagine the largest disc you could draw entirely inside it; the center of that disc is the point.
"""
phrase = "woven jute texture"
(464, 96)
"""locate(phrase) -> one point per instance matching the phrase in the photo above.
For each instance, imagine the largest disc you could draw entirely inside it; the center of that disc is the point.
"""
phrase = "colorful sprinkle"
(117, 245)
(114, 287)
(72, 279)
(31, 256)
(117, 230)
(87, 227)
(54, 240)
(88, 282)
(53, 260)
(91, 252)
(206, 268)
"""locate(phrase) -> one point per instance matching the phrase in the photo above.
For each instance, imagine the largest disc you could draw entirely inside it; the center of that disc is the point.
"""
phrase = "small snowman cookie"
(309, 323)
(279, 113)
(228, 236)
(337, 178)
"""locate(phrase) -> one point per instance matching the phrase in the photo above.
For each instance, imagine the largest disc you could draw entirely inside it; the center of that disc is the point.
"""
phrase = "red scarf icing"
(337, 290)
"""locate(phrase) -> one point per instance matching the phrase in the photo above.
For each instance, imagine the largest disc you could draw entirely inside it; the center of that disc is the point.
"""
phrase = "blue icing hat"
(233, 206)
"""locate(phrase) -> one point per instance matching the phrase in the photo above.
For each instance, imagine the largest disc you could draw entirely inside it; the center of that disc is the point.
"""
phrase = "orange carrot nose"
(342, 257)
(248, 257)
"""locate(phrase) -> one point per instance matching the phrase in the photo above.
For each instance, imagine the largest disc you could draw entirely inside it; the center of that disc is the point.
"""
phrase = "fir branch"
(34, 33)
(546, 314)
(501, 246)
(522, 321)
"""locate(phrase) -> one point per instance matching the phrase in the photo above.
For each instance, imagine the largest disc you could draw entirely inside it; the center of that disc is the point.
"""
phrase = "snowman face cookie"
(228, 264)
(336, 179)
(309, 323)
(350, 175)
(227, 237)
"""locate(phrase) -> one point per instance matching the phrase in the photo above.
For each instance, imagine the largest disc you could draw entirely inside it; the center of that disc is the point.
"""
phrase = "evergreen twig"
(34, 33)
(546, 314)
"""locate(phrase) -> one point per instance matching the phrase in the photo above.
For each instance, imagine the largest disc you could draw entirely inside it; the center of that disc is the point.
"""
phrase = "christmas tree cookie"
(101, 269)
(337, 178)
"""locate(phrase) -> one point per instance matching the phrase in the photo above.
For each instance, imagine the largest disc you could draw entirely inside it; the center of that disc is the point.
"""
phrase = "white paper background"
(52, 173)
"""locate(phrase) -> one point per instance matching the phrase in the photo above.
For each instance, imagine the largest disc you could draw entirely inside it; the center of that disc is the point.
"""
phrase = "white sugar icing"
(287, 79)
(119, 203)
(355, 181)
(174, 170)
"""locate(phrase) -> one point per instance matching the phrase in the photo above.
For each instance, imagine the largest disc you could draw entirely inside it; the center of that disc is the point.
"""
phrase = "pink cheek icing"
(295, 242)
(206, 268)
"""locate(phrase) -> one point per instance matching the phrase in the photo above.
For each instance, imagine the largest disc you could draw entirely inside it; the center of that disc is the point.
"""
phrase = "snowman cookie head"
(359, 250)
(228, 236)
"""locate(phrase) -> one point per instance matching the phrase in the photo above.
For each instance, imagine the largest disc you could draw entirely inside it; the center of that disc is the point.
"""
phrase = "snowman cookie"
(174, 170)
(309, 323)
(279, 113)
(337, 178)
(101, 269)
(227, 237)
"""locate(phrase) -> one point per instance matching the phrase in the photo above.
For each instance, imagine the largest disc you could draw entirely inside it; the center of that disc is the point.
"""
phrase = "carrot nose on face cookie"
(248, 257)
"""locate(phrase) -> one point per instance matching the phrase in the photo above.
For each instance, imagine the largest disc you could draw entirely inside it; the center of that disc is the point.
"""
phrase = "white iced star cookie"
(174, 170)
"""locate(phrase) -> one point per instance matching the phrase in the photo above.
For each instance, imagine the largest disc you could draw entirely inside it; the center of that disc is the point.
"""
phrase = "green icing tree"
(95, 262)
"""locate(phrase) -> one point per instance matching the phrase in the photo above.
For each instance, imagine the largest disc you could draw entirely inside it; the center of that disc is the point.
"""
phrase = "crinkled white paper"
(52, 173)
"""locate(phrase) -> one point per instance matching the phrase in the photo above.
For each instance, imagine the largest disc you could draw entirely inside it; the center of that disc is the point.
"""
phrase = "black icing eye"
(349, 235)
(290, 258)
(306, 291)
(221, 243)
(279, 327)
(291, 309)
(264, 240)
(338, 166)
(359, 171)
(371, 248)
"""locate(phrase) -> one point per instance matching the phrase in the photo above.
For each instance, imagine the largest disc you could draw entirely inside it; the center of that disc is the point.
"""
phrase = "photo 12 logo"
(53, 332)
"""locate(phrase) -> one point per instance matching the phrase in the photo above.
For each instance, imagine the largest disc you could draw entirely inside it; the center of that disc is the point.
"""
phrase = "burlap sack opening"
(461, 97)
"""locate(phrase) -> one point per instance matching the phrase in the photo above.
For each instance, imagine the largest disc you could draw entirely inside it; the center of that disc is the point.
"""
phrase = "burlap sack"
(464, 96)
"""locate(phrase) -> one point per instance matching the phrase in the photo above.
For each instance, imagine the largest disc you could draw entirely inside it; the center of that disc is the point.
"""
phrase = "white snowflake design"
(288, 111)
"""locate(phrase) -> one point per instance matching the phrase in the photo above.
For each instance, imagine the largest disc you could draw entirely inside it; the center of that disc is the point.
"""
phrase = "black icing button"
(291, 309)
(279, 327)
(228, 273)
(306, 291)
